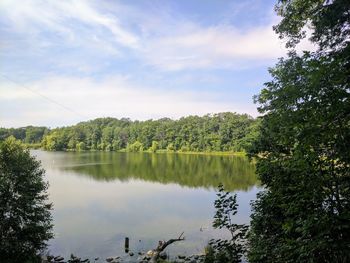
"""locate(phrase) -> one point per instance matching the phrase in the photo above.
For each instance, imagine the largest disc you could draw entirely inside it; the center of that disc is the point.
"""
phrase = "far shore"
(226, 153)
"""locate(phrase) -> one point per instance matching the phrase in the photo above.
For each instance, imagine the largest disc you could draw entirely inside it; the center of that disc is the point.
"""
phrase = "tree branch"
(162, 245)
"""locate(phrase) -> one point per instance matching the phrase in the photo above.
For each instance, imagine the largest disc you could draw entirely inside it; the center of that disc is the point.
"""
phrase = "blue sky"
(66, 61)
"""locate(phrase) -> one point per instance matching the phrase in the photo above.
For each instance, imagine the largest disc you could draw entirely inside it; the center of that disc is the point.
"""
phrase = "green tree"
(107, 138)
(34, 134)
(55, 141)
(233, 249)
(185, 148)
(135, 147)
(25, 218)
(29, 134)
(81, 146)
(154, 146)
(170, 147)
(225, 131)
(303, 153)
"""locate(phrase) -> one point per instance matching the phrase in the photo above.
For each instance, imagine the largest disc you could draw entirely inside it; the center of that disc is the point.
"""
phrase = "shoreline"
(161, 151)
(226, 153)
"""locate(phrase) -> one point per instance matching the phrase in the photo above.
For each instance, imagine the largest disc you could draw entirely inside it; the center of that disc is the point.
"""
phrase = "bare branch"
(162, 245)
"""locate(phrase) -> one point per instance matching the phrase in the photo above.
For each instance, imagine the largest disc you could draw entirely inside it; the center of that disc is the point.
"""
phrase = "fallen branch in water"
(162, 245)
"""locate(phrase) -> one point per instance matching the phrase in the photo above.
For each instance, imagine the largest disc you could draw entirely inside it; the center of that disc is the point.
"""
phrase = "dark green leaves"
(303, 150)
(25, 218)
(329, 21)
(233, 249)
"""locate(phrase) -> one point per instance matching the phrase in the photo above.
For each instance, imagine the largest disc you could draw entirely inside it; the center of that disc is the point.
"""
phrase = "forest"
(220, 132)
(28, 135)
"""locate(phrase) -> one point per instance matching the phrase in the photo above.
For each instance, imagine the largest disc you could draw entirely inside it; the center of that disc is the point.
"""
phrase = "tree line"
(213, 132)
(28, 135)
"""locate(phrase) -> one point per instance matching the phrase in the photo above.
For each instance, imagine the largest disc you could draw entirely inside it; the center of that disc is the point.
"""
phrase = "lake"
(102, 197)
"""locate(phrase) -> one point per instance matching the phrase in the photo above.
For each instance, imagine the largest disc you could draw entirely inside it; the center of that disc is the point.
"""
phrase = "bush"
(81, 146)
(170, 148)
(233, 249)
(154, 147)
(135, 147)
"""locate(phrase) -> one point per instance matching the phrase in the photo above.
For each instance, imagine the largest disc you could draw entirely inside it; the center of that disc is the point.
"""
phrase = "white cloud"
(158, 38)
(115, 97)
(220, 46)
(87, 37)
(33, 17)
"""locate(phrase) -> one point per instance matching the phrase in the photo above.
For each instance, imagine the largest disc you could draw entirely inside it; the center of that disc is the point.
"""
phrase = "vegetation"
(135, 147)
(303, 153)
(28, 135)
(233, 249)
(301, 146)
(219, 132)
(25, 218)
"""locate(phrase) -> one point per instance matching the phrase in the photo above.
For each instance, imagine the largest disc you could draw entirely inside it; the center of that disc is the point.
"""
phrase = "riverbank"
(226, 153)
(130, 258)
(202, 153)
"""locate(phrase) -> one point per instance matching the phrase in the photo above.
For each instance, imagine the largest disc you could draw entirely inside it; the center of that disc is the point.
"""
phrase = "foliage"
(328, 19)
(25, 218)
(55, 141)
(154, 147)
(81, 146)
(185, 148)
(302, 151)
(135, 147)
(232, 250)
(217, 132)
(170, 147)
(28, 135)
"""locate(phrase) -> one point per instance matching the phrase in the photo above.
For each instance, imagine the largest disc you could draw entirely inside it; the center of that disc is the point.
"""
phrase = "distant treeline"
(213, 132)
(28, 135)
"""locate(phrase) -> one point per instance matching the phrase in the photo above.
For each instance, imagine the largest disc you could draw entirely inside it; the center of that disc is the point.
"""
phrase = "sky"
(66, 61)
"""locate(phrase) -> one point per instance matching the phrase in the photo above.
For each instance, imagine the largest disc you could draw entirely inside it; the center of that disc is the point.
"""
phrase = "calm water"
(100, 198)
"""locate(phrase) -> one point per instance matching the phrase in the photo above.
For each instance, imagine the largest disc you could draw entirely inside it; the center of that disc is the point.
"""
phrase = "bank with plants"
(224, 132)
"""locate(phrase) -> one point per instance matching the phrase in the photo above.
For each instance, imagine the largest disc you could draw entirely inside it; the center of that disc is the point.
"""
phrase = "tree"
(154, 146)
(25, 218)
(107, 137)
(55, 141)
(135, 147)
(231, 250)
(170, 147)
(81, 146)
(328, 19)
(224, 131)
(34, 134)
(185, 148)
(302, 152)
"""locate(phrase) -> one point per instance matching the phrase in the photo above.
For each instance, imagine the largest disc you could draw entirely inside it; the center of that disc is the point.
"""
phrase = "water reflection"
(100, 198)
(206, 171)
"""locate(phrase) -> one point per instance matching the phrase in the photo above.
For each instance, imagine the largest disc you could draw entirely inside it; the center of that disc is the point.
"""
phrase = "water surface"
(102, 197)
